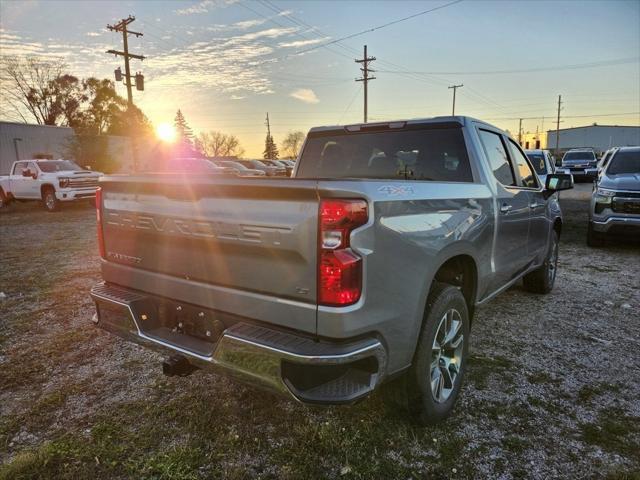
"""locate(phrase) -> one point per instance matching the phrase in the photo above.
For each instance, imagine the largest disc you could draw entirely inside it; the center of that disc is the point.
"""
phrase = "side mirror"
(558, 181)
(34, 175)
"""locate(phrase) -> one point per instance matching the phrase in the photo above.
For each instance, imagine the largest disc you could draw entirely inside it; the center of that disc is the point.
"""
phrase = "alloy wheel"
(446, 355)
(50, 201)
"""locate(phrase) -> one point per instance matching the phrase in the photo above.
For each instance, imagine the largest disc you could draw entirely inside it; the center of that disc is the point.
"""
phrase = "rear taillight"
(339, 267)
(99, 222)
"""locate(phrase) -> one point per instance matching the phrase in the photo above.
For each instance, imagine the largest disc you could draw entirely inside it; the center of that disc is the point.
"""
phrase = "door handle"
(534, 205)
(505, 208)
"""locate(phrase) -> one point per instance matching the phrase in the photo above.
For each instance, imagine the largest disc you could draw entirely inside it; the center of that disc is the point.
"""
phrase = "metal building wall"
(598, 137)
(19, 141)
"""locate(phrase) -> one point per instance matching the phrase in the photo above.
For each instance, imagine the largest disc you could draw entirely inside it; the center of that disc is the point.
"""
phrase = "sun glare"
(166, 132)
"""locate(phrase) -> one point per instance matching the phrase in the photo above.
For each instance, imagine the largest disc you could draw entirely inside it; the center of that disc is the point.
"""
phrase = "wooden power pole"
(455, 87)
(365, 77)
(122, 27)
(520, 133)
(558, 126)
(139, 78)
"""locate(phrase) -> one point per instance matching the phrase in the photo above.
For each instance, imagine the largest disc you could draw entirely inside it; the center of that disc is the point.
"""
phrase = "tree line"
(39, 89)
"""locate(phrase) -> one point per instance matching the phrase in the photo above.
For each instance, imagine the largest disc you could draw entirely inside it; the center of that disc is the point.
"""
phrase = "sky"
(226, 63)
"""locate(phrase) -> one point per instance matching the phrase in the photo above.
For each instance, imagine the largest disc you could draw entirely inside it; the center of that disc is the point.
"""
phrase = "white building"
(598, 137)
(19, 141)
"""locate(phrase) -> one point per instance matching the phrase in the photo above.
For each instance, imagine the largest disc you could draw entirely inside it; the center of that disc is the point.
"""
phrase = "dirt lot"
(552, 391)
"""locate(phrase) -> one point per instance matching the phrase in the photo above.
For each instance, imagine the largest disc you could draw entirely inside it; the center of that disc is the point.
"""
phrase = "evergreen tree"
(270, 149)
(183, 130)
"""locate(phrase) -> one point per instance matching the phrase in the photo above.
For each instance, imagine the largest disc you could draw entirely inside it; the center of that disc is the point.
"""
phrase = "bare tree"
(218, 144)
(36, 87)
(292, 143)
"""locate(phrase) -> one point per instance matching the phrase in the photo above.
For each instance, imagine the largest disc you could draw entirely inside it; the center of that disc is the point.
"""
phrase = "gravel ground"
(552, 390)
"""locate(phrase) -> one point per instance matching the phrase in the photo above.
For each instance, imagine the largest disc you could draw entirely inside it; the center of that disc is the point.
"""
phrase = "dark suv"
(580, 162)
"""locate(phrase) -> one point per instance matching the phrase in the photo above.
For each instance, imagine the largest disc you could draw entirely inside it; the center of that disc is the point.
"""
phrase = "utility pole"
(558, 125)
(455, 87)
(122, 27)
(365, 77)
(520, 133)
(139, 78)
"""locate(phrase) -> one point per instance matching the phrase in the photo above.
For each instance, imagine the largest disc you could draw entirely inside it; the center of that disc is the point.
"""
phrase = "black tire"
(49, 200)
(414, 389)
(594, 239)
(4, 201)
(542, 279)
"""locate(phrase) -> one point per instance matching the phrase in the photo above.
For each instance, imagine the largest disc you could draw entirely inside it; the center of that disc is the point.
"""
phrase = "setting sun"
(166, 132)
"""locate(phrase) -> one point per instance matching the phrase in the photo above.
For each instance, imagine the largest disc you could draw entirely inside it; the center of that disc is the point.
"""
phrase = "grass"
(93, 407)
(615, 431)
(481, 369)
(130, 441)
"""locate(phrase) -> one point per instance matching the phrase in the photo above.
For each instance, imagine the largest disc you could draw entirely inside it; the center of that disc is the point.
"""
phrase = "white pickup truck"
(49, 181)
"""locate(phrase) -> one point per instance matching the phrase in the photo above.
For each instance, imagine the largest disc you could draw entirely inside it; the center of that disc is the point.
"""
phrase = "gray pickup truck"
(364, 268)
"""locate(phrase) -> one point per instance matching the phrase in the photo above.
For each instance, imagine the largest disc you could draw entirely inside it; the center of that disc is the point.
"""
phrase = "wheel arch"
(461, 271)
(557, 226)
(46, 186)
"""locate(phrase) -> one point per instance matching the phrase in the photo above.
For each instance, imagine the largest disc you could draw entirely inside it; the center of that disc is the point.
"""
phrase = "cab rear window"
(429, 154)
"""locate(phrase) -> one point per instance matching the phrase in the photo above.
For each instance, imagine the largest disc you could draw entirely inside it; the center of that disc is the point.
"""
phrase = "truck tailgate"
(246, 246)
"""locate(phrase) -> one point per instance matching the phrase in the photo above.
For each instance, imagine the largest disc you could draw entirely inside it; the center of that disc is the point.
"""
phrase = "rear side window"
(537, 159)
(527, 177)
(433, 154)
(498, 158)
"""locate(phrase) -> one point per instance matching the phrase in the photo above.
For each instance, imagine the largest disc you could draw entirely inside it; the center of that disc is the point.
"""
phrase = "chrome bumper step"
(319, 372)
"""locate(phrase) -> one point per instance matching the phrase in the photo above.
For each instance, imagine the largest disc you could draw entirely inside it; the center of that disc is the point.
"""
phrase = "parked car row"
(615, 199)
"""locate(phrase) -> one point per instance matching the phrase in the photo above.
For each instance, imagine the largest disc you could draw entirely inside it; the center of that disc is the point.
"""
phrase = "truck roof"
(461, 120)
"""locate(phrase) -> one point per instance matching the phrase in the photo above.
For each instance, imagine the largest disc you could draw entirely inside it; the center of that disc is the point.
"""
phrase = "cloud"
(305, 95)
(204, 6)
(249, 23)
(303, 43)
(93, 34)
(238, 97)
(200, 7)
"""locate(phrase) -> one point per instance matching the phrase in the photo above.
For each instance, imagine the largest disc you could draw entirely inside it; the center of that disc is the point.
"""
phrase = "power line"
(601, 63)
(353, 35)
(384, 25)
(349, 105)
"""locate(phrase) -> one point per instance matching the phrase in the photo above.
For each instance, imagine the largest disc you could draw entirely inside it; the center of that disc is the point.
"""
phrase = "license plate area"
(191, 321)
(181, 325)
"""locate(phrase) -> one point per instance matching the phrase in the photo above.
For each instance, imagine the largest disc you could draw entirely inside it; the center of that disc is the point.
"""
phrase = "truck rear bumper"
(312, 371)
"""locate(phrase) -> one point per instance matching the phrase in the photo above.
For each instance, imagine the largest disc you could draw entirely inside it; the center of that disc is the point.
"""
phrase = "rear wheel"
(431, 386)
(594, 239)
(543, 278)
(49, 200)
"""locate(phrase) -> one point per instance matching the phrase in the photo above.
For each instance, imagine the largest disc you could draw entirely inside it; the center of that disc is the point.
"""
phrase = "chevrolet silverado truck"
(364, 268)
(615, 200)
(48, 181)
